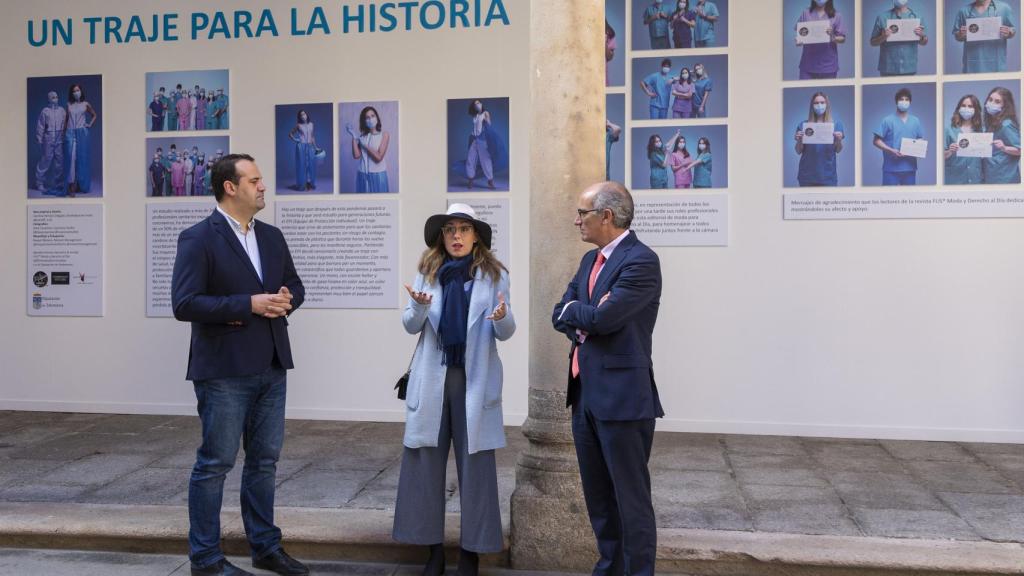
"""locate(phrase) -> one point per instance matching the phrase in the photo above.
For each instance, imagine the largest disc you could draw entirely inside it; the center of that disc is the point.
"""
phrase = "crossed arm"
(637, 285)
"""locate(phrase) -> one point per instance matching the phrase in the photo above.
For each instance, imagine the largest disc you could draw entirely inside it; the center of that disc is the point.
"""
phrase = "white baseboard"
(1005, 436)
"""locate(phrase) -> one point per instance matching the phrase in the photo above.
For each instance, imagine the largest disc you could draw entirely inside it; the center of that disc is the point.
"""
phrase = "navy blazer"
(212, 286)
(616, 371)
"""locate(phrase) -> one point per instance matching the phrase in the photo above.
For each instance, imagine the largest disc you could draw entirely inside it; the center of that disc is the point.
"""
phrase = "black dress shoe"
(281, 563)
(222, 568)
(435, 564)
(469, 563)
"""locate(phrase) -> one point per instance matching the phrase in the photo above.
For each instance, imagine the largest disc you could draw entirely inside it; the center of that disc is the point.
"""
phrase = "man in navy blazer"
(608, 312)
(234, 280)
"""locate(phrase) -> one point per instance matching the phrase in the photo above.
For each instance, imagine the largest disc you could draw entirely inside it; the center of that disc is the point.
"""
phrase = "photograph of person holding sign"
(983, 115)
(984, 36)
(900, 33)
(960, 166)
(1003, 167)
(818, 136)
(817, 36)
(902, 135)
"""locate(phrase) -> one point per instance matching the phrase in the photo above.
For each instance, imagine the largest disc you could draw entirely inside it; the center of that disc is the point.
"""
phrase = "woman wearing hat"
(459, 306)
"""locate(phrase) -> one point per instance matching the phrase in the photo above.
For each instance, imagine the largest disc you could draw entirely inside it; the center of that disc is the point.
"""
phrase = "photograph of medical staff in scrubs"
(886, 52)
(681, 87)
(679, 157)
(615, 43)
(181, 166)
(614, 138)
(187, 100)
(811, 163)
(896, 117)
(368, 144)
(478, 144)
(679, 24)
(304, 144)
(982, 106)
(965, 55)
(832, 58)
(65, 136)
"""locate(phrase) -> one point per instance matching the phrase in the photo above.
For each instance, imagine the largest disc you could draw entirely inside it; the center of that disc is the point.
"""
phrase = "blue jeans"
(247, 409)
(899, 178)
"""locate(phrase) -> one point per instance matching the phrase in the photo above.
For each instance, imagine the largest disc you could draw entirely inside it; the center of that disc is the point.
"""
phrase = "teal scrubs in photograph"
(896, 58)
(986, 55)
(661, 84)
(659, 172)
(892, 131)
(1002, 168)
(608, 141)
(818, 162)
(702, 171)
(658, 28)
(700, 91)
(960, 170)
(704, 30)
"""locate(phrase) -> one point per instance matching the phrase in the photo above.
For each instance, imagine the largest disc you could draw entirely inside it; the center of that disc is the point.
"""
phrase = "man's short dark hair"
(666, 62)
(904, 93)
(226, 169)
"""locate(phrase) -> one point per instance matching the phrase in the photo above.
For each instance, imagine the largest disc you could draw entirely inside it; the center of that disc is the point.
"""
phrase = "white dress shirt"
(247, 240)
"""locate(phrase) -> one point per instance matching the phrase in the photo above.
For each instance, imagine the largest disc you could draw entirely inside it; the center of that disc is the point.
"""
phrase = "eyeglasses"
(462, 230)
(582, 213)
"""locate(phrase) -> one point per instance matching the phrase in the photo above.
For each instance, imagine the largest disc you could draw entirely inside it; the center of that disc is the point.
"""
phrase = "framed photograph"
(818, 136)
(187, 101)
(898, 41)
(980, 119)
(680, 157)
(677, 87)
(478, 143)
(679, 24)
(183, 165)
(898, 124)
(65, 136)
(817, 40)
(615, 43)
(615, 138)
(979, 41)
(304, 147)
(368, 146)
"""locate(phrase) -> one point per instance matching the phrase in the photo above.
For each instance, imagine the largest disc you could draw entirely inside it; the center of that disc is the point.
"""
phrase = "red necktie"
(598, 263)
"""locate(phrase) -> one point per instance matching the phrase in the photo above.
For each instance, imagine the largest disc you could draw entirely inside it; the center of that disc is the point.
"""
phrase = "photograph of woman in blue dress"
(478, 144)
(303, 146)
(64, 136)
(369, 147)
(1001, 120)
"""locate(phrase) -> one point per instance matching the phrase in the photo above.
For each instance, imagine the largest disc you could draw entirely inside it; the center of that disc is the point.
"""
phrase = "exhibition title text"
(308, 21)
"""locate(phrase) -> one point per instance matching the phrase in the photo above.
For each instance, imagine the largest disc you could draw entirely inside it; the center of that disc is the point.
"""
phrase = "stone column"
(550, 528)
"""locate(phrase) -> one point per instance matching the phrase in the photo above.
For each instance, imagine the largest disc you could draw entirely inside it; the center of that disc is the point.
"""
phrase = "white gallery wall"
(863, 328)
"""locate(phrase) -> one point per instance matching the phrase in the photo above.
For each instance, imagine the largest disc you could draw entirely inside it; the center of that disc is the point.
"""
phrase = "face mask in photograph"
(701, 147)
(901, 3)
(371, 123)
(665, 70)
(821, 2)
(966, 112)
(903, 105)
(820, 108)
(993, 109)
(77, 94)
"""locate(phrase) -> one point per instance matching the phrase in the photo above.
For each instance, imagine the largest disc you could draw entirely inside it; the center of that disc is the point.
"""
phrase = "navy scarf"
(451, 330)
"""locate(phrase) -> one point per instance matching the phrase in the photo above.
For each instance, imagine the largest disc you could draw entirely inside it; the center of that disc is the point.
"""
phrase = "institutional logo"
(40, 279)
(37, 301)
(61, 278)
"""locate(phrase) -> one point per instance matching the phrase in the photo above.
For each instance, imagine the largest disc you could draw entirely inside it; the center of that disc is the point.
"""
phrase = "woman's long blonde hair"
(483, 259)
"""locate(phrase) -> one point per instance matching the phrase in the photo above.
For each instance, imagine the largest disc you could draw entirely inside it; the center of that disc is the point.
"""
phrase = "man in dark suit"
(608, 312)
(234, 280)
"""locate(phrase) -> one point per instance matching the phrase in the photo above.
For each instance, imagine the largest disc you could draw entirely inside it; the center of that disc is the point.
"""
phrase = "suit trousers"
(420, 507)
(613, 456)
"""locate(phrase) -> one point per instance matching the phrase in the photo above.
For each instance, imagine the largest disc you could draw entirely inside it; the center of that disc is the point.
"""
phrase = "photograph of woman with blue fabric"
(478, 142)
(305, 152)
(658, 153)
(459, 305)
(1001, 120)
(818, 161)
(370, 147)
(81, 117)
(966, 119)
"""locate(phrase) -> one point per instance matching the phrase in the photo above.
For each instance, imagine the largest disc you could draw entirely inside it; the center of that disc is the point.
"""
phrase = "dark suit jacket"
(211, 288)
(616, 371)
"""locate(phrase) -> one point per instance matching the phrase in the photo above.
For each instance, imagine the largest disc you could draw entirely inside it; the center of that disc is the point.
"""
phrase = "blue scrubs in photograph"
(305, 157)
(701, 88)
(658, 28)
(985, 55)
(896, 58)
(156, 177)
(661, 84)
(702, 171)
(1002, 168)
(897, 171)
(156, 117)
(960, 169)
(172, 111)
(818, 161)
(659, 172)
(608, 141)
(704, 30)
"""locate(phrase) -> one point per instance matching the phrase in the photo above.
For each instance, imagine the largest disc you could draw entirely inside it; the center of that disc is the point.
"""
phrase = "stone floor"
(896, 489)
(78, 563)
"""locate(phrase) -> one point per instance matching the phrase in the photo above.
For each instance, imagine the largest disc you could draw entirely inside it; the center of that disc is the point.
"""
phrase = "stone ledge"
(365, 536)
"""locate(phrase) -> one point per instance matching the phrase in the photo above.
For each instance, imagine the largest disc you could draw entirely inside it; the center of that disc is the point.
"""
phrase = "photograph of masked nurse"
(981, 36)
(679, 24)
(65, 136)
(817, 39)
(368, 147)
(982, 132)
(818, 136)
(899, 37)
